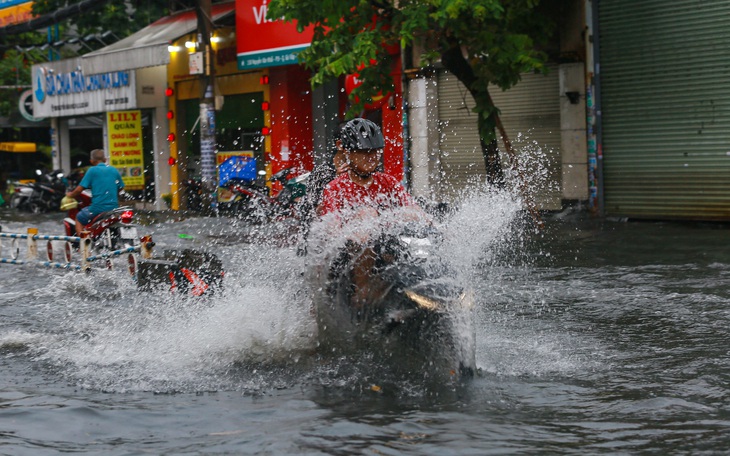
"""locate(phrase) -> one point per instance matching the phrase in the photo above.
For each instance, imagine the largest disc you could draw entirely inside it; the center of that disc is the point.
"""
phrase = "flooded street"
(592, 337)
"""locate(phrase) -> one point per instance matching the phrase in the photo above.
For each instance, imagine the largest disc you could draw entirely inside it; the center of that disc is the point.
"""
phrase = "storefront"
(265, 106)
(300, 122)
(122, 87)
(530, 113)
(64, 93)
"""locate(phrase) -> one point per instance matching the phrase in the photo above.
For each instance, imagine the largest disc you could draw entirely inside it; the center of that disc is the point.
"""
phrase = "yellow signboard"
(220, 157)
(125, 146)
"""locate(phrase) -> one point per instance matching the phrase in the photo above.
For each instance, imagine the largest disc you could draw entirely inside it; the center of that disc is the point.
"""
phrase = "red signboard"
(265, 43)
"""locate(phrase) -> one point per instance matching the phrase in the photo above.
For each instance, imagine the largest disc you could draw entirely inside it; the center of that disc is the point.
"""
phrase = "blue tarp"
(238, 167)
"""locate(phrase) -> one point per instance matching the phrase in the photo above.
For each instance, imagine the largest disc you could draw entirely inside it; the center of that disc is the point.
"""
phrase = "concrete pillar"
(573, 145)
(60, 144)
(325, 120)
(65, 146)
(163, 177)
(55, 143)
(418, 133)
(105, 134)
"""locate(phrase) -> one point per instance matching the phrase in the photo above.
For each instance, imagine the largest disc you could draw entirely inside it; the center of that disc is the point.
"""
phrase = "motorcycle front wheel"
(35, 207)
(16, 201)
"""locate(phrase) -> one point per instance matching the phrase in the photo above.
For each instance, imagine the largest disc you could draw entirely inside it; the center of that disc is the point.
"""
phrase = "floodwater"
(592, 337)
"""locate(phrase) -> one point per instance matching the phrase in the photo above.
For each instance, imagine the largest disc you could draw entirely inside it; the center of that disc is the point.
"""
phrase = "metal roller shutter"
(665, 95)
(531, 115)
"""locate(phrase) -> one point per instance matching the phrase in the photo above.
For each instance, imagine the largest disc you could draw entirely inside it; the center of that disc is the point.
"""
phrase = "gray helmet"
(361, 134)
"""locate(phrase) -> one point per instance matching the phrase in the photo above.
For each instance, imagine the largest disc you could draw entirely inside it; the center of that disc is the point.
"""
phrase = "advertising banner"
(61, 89)
(15, 12)
(8, 3)
(265, 43)
(125, 146)
(236, 164)
(220, 157)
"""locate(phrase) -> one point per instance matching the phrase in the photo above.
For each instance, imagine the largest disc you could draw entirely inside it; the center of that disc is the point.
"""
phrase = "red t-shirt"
(385, 192)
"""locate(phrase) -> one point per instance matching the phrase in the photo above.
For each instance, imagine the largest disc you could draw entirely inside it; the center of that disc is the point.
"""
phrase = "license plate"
(128, 232)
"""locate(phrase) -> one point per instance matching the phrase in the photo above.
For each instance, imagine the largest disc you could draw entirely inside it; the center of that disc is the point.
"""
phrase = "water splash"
(258, 331)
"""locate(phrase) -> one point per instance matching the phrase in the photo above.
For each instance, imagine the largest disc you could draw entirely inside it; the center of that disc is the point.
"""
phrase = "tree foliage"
(481, 42)
(119, 17)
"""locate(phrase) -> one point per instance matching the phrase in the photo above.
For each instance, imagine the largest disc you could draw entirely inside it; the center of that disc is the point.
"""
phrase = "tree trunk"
(488, 122)
(495, 173)
(454, 61)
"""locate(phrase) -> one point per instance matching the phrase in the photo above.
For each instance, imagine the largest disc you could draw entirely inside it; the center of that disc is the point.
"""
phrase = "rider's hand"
(361, 224)
(342, 168)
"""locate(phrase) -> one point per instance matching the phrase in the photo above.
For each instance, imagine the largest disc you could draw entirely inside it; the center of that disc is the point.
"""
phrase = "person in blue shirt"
(105, 182)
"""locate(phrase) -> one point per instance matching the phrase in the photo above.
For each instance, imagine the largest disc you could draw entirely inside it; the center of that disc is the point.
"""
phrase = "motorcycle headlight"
(417, 247)
(423, 301)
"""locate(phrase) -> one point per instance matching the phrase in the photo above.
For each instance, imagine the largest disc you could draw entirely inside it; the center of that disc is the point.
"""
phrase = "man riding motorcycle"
(360, 194)
(105, 182)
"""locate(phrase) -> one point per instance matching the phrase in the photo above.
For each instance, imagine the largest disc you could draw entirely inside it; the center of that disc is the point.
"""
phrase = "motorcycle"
(20, 198)
(109, 231)
(194, 195)
(44, 195)
(417, 317)
(187, 271)
(252, 201)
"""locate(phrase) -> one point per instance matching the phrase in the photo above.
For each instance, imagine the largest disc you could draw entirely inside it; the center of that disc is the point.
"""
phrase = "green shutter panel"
(665, 91)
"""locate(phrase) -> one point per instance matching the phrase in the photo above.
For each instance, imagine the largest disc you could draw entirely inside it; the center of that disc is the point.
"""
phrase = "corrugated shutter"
(460, 153)
(531, 115)
(665, 88)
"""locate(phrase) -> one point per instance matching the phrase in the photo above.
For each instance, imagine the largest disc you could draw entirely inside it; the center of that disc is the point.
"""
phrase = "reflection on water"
(592, 336)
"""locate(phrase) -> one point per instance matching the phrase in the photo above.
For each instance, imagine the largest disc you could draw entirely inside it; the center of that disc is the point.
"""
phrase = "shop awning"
(19, 147)
(148, 47)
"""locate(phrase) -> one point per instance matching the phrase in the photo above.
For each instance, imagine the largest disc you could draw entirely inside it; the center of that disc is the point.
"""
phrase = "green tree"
(121, 18)
(481, 42)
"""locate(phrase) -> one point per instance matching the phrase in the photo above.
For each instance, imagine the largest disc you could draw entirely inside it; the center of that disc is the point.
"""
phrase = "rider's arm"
(75, 192)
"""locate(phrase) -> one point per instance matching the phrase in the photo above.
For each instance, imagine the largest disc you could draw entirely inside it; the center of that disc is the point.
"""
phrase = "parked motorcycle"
(251, 201)
(44, 195)
(20, 198)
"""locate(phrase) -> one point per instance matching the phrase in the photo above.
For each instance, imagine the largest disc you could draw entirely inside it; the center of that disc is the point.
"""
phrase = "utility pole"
(207, 98)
